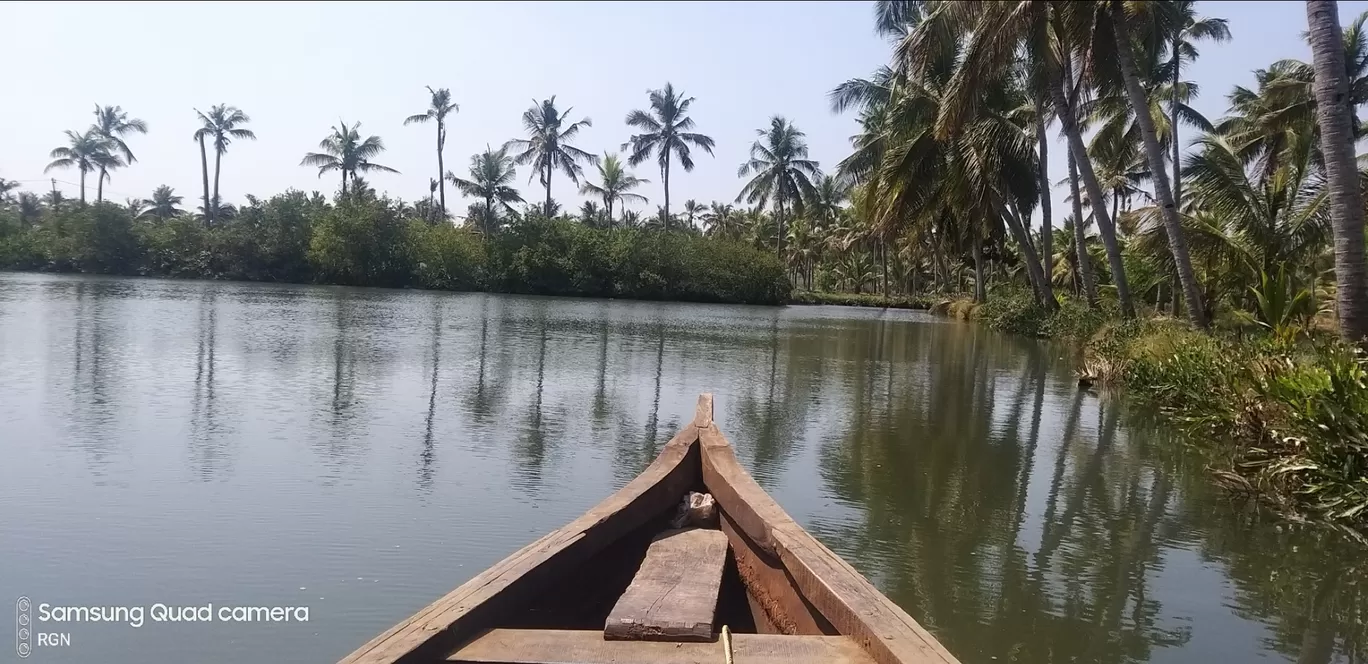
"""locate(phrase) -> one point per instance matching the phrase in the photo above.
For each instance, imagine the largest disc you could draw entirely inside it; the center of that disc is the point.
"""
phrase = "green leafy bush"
(364, 241)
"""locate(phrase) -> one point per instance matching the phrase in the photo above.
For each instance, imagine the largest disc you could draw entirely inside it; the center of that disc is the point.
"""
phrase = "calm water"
(361, 452)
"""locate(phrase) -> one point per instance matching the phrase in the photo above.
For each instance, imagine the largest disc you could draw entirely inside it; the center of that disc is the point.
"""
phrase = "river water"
(360, 452)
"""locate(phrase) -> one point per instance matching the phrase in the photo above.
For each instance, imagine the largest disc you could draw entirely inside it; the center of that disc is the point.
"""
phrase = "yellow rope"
(726, 643)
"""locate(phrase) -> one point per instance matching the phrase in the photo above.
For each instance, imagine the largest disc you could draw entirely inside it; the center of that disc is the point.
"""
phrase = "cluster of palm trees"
(951, 160)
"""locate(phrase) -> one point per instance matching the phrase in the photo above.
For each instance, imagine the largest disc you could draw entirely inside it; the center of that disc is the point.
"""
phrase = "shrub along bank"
(1293, 405)
(373, 242)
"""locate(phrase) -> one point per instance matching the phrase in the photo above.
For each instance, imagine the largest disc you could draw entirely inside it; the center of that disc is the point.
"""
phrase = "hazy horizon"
(297, 69)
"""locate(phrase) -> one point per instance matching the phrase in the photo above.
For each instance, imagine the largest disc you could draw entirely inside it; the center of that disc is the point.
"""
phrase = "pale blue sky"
(298, 68)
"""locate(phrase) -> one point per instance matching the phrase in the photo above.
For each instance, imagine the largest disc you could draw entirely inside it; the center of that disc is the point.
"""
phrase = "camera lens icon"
(23, 634)
(23, 604)
(23, 619)
(23, 650)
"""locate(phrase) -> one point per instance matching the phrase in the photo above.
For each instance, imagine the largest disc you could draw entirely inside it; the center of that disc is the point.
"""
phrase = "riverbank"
(368, 242)
(858, 300)
(1290, 409)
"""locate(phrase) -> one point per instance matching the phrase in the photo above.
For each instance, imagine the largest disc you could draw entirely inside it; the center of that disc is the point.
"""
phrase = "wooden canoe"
(621, 572)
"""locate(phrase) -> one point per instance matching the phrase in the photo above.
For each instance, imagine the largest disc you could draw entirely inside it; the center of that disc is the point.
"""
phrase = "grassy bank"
(860, 300)
(1289, 410)
(375, 242)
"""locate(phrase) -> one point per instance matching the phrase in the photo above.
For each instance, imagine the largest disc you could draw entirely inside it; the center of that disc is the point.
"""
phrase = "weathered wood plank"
(519, 646)
(776, 605)
(673, 596)
(841, 594)
(490, 596)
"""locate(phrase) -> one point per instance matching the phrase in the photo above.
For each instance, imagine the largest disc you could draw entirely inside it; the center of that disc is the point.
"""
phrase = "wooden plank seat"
(538, 646)
(673, 596)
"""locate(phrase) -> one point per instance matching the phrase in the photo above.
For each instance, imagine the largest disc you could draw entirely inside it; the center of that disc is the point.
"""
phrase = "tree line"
(1260, 211)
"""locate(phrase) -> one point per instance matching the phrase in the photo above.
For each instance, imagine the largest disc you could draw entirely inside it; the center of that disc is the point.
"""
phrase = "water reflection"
(208, 437)
(1015, 516)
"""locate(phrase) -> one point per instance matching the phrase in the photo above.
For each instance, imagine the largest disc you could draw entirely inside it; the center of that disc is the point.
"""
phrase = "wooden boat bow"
(785, 596)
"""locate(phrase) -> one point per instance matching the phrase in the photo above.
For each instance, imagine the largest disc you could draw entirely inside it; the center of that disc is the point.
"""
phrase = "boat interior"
(690, 562)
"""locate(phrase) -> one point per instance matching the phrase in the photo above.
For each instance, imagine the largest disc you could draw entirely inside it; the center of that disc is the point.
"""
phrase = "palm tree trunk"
(441, 168)
(548, 189)
(1080, 246)
(1155, 156)
(1173, 121)
(344, 184)
(1337, 144)
(83, 174)
(99, 186)
(1067, 119)
(779, 227)
(883, 259)
(665, 173)
(204, 169)
(218, 161)
(1046, 222)
(980, 293)
(1033, 272)
(488, 214)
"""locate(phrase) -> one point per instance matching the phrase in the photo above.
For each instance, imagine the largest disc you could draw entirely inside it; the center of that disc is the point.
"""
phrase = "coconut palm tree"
(547, 146)
(723, 220)
(1154, 154)
(163, 205)
(1335, 118)
(590, 214)
(491, 178)
(666, 134)
(783, 173)
(1050, 36)
(438, 108)
(691, 208)
(112, 124)
(84, 152)
(345, 151)
(223, 124)
(829, 194)
(6, 186)
(30, 208)
(616, 185)
(1186, 28)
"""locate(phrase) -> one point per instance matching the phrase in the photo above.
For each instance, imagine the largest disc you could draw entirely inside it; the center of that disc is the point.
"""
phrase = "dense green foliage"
(1294, 408)
(860, 300)
(364, 241)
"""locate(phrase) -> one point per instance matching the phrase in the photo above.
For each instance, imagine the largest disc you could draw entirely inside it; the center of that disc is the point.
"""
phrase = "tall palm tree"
(344, 150)
(6, 186)
(616, 185)
(1187, 28)
(1051, 35)
(547, 146)
(782, 171)
(84, 152)
(1337, 147)
(163, 205)
(223, 124)
(491, 178)
(438, 108)
(1154, 154)
(112, 124)
(666, 133)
